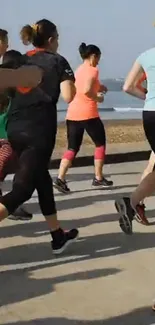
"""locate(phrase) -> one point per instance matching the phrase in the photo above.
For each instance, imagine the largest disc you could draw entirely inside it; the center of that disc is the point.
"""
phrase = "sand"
(120, 131)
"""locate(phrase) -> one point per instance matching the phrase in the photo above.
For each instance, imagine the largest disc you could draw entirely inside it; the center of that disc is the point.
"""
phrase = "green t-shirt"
(3, 122)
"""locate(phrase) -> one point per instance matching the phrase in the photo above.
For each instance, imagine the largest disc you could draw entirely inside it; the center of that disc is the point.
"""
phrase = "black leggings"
(75, 131)
(32, 173)
(149, 127)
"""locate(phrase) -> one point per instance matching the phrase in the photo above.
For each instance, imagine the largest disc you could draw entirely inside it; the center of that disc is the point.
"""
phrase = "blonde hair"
(38, 33)
(27, 33)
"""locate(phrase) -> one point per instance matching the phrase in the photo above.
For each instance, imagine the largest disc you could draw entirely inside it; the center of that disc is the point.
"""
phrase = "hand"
(103, 89)
(100, 98)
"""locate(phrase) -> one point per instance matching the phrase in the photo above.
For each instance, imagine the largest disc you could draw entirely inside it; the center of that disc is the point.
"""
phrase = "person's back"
(147, 61)
(36, 107)
(83, 107)
(30, 141)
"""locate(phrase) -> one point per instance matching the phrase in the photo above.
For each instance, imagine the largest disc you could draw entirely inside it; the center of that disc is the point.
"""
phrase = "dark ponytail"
(87, 50)
(83, 50)
(39, 33)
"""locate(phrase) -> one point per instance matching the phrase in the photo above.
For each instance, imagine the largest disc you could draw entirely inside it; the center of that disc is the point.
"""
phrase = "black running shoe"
(61, 186)
(60, 244)
(21, 214)
(103, 183)
(124, 208)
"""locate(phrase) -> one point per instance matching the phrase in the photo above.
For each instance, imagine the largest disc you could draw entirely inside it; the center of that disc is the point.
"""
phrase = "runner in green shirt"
(6, 152)
(3, 122)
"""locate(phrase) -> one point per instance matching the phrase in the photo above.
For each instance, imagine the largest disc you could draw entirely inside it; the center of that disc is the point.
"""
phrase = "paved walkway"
(105, 278)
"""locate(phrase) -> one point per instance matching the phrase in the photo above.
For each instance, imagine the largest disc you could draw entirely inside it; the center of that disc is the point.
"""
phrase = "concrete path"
(105, 278)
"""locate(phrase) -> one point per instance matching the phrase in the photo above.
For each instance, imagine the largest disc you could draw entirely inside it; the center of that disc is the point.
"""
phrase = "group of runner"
(28, 124)
(30, 86)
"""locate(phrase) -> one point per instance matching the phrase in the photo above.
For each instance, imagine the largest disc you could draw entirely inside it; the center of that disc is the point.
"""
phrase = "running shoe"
(61, 186)
(102, 183)
(140, 214)
(21, 214)
(127, 213)
(60, 243)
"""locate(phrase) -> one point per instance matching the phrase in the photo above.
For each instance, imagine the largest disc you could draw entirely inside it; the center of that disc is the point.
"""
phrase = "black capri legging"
(149, 127)
(75, 131)
(34, 154)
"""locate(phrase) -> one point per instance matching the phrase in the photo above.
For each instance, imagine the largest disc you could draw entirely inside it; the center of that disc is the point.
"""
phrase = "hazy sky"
(121, 28)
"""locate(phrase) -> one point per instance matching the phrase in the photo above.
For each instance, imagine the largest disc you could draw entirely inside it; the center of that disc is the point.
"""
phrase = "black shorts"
(149, 127)
(75, 131)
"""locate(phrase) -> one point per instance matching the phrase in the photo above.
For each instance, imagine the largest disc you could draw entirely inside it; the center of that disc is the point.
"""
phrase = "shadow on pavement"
(19, 285)
(90, 247)
(141, 316)
(72, 203)
(37, 229)
(89, 176)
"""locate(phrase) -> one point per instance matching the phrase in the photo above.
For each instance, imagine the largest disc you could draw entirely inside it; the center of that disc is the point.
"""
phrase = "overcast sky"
(121, 28)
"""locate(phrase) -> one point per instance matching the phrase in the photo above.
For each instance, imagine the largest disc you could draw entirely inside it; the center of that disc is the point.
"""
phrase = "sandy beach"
(118, 134)
(117, 131)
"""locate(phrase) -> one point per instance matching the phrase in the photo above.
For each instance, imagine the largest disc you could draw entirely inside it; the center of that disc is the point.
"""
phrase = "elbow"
(87, 93)
(68, 99)
(127, 89)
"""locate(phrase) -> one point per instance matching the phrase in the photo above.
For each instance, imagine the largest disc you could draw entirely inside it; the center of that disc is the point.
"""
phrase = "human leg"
(7, 157)
(75, 131)
(129, 207)
(95, 129)
(140, 216)
(60, 238)
(6, 153)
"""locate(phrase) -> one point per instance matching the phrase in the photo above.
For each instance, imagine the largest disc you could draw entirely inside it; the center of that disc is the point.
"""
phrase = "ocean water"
(117, 105)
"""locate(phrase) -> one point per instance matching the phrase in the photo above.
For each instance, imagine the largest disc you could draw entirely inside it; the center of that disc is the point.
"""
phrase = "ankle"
(99, 177)
(57, 233)
(61, 178)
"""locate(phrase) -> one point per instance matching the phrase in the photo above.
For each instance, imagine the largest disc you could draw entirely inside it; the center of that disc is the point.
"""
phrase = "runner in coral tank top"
(83, 107)
(83, 115)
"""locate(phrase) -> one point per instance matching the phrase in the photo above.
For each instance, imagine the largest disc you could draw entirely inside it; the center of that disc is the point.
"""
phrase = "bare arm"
(130, 85)
(67, 79)
(25, 77)
(68, 90)
(88, 90)
(140, 85)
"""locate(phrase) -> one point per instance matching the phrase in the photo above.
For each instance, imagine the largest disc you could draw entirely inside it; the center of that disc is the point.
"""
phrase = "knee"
(16, 197)
(23, 191)
(27, 194)
(70, 154)
(99, 153)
